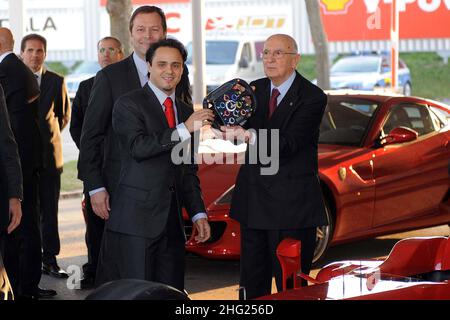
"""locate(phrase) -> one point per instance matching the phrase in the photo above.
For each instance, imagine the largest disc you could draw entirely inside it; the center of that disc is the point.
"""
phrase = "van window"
(247, 52)
(259, 47)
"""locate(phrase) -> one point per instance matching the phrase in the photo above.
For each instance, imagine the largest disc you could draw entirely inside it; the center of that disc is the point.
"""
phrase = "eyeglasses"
(277, 54)
(110, 50)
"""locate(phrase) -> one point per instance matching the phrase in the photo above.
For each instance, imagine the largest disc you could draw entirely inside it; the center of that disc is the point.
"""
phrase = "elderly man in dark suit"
(109, 51)
(144, 234)
(54, 114)
(286, 203)
(23, 246)
(11, 191)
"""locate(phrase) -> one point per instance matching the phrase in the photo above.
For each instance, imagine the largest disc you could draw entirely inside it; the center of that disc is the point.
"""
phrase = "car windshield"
(356, 65)
(217, 52)
(87, 67)
(346, 120)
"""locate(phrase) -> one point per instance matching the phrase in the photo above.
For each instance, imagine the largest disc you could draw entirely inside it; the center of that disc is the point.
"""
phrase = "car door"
(408, 178)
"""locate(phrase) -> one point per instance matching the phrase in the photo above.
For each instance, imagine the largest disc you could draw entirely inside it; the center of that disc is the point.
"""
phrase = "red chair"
(289, 256)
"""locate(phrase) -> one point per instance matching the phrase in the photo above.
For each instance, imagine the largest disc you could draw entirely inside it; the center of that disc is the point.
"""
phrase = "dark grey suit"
(10, 183)
(23, 246)
(10, 169)
(151, 191)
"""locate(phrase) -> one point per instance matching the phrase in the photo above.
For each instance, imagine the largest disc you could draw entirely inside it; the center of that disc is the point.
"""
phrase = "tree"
(320, 42)
(119, 15)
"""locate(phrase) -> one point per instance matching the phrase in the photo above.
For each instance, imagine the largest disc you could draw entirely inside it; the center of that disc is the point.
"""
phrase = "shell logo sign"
(335, 6)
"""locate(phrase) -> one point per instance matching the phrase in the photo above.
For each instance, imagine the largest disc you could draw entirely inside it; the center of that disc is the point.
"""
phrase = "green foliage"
(430, 76)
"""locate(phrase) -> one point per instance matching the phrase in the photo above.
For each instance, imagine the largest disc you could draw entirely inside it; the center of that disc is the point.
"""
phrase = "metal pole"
(395, 36)
(198, 52)
(16, 21)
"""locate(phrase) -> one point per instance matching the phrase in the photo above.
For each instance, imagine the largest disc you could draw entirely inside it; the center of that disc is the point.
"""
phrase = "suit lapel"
(45, 82)
(263, 105)
(155, 106)
(133, 75)
(288, 105)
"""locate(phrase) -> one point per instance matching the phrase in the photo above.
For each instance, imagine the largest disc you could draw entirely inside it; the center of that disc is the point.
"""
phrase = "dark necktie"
(273, 101)
(170, 114)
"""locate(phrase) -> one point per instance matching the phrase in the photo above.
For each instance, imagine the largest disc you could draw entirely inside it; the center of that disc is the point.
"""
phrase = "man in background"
(22, 256)
(287, 204)
(11, 190)
(109, 51)
(54, 115)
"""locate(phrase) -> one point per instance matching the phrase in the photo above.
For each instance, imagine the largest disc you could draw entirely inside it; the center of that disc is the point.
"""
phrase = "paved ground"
(205, 279)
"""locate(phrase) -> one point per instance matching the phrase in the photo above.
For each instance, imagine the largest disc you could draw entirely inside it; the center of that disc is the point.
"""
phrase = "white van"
(229, 59)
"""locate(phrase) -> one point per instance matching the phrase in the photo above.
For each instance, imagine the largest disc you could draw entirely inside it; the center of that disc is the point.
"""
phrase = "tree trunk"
(119, 15)
(320, 42)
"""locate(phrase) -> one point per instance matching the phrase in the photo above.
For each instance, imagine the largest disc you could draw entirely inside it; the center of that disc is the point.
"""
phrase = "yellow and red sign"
(352, 20)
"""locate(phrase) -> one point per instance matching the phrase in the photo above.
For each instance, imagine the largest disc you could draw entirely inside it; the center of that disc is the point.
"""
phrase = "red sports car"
(383, 166)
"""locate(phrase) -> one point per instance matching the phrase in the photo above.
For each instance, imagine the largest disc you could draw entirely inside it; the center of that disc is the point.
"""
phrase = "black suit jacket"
(292, 198)
(20, 86)
(79, 106)
(54, 114)
(99, 159)
(148, 177)
(10, 170)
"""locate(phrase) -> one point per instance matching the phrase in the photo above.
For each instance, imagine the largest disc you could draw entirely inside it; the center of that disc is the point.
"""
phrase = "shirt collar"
(161, 95)
(284, 87)
(141, 66)
(3, 56)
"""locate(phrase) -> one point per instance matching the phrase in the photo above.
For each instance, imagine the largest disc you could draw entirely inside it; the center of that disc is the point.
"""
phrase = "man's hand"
(203, 230)
(15, 214)
(233, 133)
(198, 119)
(100, 204)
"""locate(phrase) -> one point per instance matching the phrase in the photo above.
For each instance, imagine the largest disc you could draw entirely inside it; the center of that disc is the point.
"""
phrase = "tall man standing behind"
(99, 162)
(109, 51)
(289, 203)
(54, 114)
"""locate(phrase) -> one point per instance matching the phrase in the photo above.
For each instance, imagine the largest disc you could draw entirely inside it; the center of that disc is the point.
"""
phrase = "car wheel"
(324, 235)
(407, 90)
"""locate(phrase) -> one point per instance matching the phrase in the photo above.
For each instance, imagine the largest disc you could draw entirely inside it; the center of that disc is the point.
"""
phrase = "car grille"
(217, 230)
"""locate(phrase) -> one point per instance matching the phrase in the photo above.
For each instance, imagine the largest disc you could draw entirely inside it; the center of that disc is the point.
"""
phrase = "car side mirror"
(243, 63)
(400, 135)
